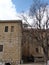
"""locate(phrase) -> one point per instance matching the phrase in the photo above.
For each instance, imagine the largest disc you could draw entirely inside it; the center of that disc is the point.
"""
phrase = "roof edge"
(10, 21)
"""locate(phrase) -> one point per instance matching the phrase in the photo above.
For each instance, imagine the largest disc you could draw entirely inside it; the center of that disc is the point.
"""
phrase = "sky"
(10, 9)
(7, 10)
(22, 5)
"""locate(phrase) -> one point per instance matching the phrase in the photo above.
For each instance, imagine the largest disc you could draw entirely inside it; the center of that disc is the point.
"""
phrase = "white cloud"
(7, 10)
(25, 17)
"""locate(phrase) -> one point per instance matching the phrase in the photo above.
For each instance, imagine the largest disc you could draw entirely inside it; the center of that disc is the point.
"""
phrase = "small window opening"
(37, 50)
(1, 48)
(6, 28)
(12, 28)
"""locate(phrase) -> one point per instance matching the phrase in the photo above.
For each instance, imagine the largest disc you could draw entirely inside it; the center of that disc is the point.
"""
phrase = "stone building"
(31, 48)
(10, 41)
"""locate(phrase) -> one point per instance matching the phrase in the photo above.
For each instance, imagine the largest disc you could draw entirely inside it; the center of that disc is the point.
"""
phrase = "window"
(12, 28)
(1, 48)
(37, 50)
(6, 28)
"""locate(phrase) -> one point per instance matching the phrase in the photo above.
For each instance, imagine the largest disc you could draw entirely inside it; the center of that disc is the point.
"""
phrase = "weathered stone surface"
(11, 41)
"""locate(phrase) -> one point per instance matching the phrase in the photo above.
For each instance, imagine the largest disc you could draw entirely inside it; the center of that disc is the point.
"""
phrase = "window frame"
(1, 48)
(12, 28)
(37, 50)
(6, 28)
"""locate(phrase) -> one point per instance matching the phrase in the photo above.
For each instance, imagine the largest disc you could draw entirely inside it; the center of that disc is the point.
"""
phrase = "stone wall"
(11, 42)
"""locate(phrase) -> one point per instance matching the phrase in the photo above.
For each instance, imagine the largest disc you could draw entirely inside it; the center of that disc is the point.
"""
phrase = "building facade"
(31, 47)
(10, 41)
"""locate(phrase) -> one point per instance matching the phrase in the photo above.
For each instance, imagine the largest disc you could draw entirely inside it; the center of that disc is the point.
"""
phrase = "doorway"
(7, 64)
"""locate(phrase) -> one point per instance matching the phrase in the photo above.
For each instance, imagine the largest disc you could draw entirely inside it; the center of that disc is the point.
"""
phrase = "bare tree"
(38, 10)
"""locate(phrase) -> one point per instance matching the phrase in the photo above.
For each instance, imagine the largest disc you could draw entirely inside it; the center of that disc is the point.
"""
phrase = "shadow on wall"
(27, 59)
